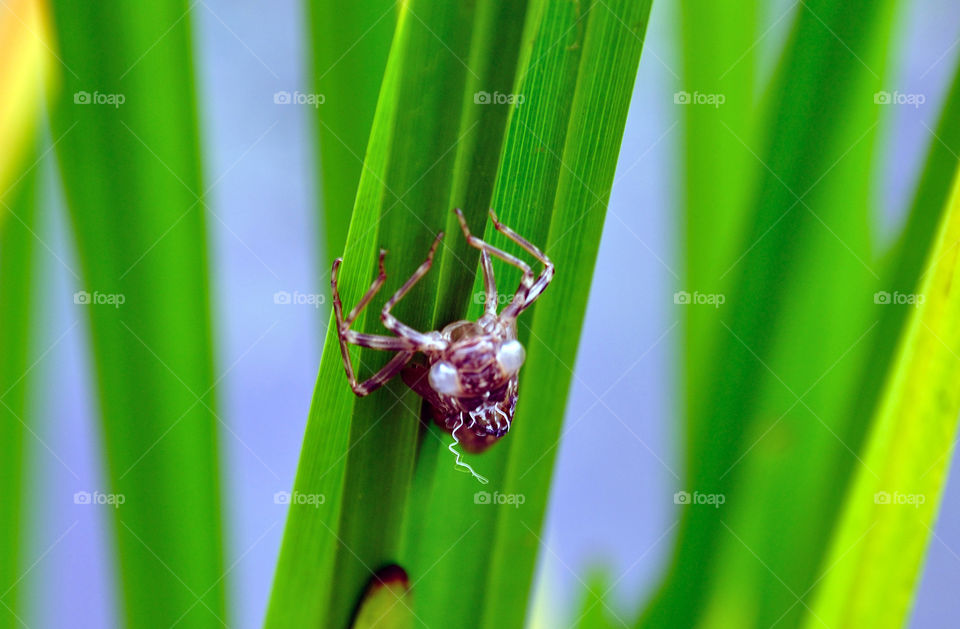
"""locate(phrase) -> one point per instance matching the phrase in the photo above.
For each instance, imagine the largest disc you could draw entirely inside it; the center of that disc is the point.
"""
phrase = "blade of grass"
(776, 415)
(608, 66)
(494, 48)
(444, 526)
(803, 436)
(131, 173)
(16, 279)
(373, 473)
(575, 76)
(24, 72)
(421, 169)
(908, 255)
(718, 47)
(359, 453)
(888, 516)
(594, 610)
(350, 42)
(430, 521)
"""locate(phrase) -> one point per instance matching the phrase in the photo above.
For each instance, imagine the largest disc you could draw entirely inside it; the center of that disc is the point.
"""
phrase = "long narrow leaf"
(17, 243)
(888, 517)
(719, 62)
(126, 127)
(906, 259)
(352, 445)
(613, 40)
(24, 71)
(774, 410)
(350, 45)
(354, 533)
(575, 77)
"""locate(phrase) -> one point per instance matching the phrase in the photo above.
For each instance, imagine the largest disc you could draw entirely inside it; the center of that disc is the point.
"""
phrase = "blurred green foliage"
(802, 396)
(132, 178)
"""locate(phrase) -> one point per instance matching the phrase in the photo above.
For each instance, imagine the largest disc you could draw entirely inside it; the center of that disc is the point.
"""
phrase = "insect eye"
(444, 378)
(511, 356)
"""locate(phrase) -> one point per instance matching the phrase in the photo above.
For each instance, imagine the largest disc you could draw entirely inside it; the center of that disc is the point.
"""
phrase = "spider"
(470, 380)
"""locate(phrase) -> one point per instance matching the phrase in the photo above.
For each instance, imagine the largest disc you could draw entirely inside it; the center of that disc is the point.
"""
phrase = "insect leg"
(526, 282)
(377, 380)
(391, 323)
(545, 276)
(489, 284)
(374, 287)
(403, 347)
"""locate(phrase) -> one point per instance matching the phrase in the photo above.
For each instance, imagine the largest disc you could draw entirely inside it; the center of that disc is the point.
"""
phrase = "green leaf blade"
(17, 271)
(132, 177)
(888, 517)
(774, 409)
(611, 53)
(360, 453)
(445, 534)
(350, 43)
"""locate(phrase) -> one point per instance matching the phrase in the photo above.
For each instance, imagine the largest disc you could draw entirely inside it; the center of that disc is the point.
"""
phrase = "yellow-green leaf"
(888, 517)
